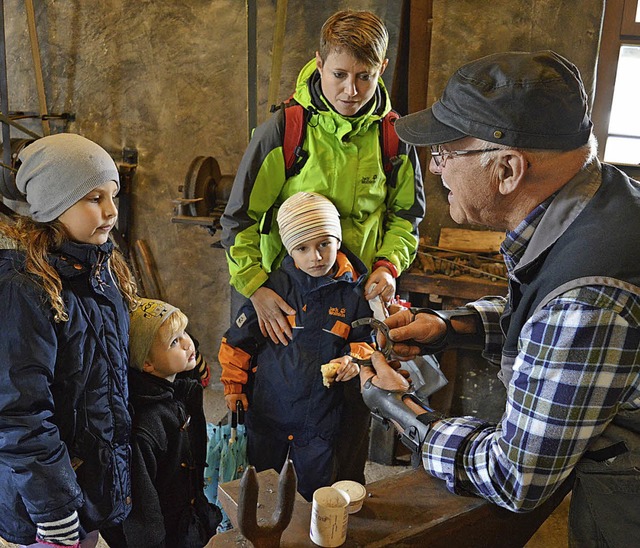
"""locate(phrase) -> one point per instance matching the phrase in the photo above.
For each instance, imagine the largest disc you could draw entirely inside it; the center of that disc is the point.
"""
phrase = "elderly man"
(511, 138)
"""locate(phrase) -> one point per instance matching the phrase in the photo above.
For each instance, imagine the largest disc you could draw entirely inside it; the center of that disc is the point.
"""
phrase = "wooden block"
(470, 241)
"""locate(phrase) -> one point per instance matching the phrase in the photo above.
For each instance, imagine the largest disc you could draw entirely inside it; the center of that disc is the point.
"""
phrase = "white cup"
(329, 517)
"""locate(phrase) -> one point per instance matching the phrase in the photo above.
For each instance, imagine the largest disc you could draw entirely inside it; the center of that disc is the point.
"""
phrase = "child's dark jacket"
(169, 450)
(287, 394)
(64, 420)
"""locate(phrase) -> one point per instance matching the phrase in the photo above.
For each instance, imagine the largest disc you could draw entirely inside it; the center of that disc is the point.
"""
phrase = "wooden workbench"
(408, 509)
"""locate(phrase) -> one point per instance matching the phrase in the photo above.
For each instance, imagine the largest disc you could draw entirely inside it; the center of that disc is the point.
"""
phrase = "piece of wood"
(470, 241)
(146, 268)
(277, 50)
(37, 65)
(464, 287)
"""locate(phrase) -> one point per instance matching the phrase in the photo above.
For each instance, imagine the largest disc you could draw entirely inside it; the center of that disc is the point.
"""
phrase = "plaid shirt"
(578, 364)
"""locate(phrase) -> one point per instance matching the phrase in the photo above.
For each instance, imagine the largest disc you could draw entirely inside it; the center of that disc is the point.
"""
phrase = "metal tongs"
(376, 325)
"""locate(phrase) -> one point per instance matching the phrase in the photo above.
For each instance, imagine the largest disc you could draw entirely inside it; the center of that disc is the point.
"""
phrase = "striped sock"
(65, 532)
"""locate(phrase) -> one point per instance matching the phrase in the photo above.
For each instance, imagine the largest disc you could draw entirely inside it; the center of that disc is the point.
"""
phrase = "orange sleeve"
(235, 366)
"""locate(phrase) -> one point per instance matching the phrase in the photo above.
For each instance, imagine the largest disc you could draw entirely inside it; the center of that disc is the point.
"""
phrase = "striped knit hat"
(305, 216)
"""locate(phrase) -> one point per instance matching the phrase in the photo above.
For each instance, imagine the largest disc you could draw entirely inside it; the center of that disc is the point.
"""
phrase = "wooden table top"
(410, 508)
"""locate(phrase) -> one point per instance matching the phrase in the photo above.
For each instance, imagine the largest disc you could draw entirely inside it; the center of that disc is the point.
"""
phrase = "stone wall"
(169, 78)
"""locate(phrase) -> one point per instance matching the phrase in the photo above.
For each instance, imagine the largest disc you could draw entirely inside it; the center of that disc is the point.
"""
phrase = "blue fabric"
(63, 395)
(313, 460)
(286, 393)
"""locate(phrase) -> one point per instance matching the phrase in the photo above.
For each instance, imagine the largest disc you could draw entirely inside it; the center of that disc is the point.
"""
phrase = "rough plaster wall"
(168, 77)
(464, 30)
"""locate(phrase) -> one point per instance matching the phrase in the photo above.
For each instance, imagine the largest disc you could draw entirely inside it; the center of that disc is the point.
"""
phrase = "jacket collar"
(350, 269)
(73, 258)
(550, 220)
(148, 389)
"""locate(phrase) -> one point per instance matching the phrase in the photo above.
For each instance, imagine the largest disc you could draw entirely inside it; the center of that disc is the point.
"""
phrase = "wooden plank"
(462, 287)
(37, 65)
(470, 241)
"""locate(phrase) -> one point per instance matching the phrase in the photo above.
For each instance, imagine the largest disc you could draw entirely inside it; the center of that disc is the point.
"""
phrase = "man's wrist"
(470, 336)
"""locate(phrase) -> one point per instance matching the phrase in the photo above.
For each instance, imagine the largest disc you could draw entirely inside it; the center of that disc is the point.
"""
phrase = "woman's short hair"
(362, 34)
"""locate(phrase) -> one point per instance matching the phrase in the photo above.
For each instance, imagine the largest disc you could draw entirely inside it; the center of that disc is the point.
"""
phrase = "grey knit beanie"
(305, 216)
(58, 170)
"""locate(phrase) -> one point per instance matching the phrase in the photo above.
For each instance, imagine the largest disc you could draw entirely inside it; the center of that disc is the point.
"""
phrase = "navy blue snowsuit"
(290, 410)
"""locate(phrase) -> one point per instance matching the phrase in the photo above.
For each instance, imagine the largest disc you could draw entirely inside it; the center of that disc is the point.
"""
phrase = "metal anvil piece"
(269, 534)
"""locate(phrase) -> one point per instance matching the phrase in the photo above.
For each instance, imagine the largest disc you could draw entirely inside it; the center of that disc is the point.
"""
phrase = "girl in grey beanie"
(66, 294)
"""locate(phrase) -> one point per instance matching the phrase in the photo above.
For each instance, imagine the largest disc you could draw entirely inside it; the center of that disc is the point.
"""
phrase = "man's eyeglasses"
(440, 156)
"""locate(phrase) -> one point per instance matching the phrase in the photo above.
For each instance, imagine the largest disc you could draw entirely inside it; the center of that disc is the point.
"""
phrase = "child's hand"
(348, 368)
(231, 400)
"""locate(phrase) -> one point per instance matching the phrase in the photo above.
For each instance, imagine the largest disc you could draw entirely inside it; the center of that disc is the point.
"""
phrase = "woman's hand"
(272, 310)
(380, 282)
(231, 399)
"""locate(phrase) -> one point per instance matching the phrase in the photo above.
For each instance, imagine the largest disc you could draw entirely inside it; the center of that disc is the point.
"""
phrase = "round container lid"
(355, 490)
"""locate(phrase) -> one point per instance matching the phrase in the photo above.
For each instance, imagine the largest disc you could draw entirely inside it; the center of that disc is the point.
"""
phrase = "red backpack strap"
(390, 144)
(295, 122)
(294, 133)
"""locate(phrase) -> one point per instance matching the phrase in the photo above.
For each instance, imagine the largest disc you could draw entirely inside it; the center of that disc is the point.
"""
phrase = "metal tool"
(268, 535)
(376, 325)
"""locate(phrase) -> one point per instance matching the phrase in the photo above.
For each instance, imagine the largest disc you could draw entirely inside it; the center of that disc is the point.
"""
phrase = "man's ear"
(318, 61)
(511, 167)
(147, 367)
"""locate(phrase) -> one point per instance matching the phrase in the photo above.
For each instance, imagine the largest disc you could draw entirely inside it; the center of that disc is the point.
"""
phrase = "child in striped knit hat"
(290, 411)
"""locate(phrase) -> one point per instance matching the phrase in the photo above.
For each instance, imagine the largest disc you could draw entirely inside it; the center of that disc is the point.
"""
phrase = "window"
(616, 111)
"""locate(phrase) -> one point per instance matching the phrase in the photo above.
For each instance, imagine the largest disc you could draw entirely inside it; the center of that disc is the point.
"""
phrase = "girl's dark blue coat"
(64, 422)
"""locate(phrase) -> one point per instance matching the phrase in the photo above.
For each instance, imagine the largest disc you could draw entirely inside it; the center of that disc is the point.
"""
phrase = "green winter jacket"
(345, 165)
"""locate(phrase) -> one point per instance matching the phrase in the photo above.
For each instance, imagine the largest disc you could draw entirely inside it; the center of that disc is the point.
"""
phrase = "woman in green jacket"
(345, 101)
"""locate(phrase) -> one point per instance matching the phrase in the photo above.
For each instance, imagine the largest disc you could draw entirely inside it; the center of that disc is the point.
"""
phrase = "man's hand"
(404, 326)
(272, 309)
(231, 399)
(385, 375)
(380, 282)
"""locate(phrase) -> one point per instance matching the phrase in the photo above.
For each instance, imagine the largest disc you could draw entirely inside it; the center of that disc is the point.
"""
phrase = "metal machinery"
(11, 147)
(8, 168)
(205, 194)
